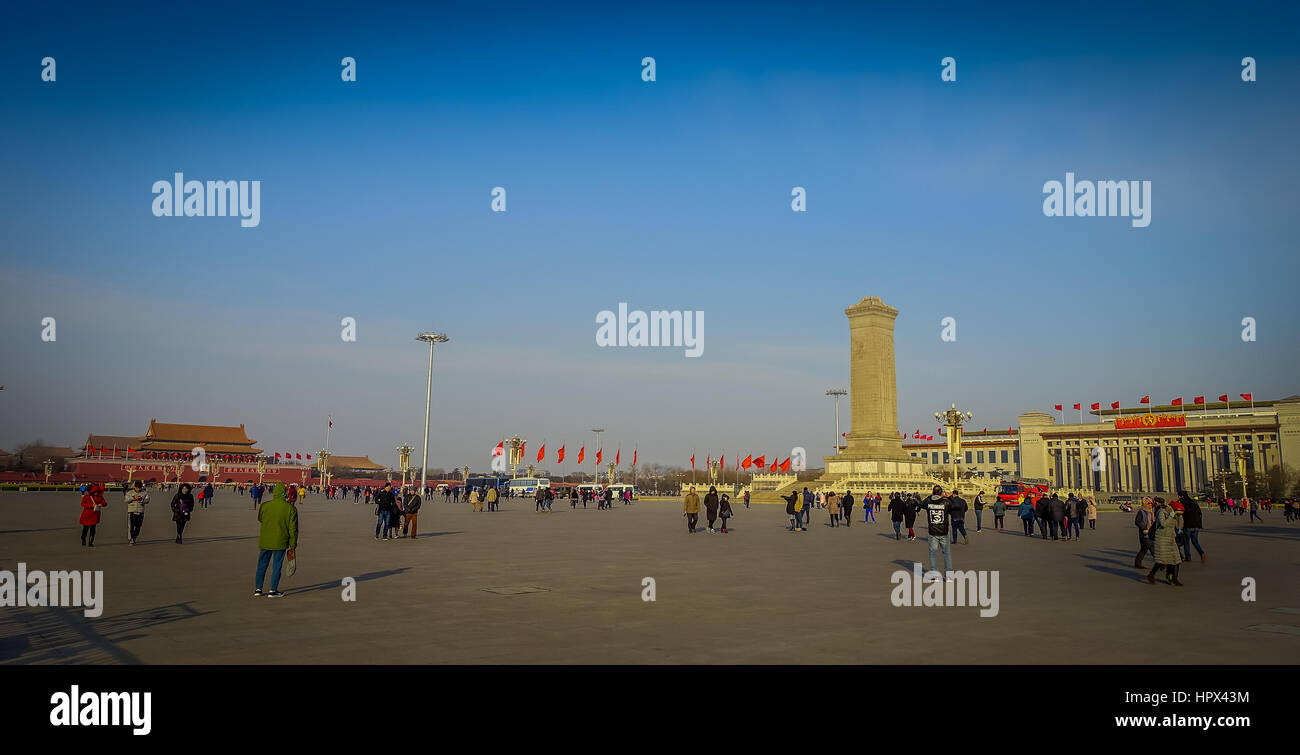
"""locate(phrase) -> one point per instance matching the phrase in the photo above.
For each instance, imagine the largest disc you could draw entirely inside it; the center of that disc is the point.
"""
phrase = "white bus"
(619, 487)
(527, 486)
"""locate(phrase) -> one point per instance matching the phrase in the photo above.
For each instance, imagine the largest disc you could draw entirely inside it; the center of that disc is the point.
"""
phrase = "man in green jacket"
(279, 533)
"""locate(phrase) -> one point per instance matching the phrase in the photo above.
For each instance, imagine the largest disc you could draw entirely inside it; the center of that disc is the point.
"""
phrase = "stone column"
(873, 394)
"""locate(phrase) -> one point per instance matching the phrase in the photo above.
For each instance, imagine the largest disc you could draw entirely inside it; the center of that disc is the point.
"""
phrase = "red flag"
(298, 455)
(708, 462)
(1057, 407)
(1011, 431)
(634, 457)
(130, 450)
(331, 423)
(89, 449)
(599, 453)
(1247, 397)
(541, 452)
(1078, 406)
(1095, 405)
(722, 462)
(986, 429)
(277, 454)
(522, 446)
(749, 460)
(785, 465)
(559, 456)
(1198, 400)
(692, 461)
(582, 451)
(1114, 404)
(1144, 400)
(1177, 402)
(500, 449)
(618, 456)
(761, 461)
(308, 457)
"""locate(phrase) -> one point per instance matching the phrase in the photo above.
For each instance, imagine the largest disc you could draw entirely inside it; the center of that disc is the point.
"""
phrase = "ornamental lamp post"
(49, 469)
(261, 469)
(129, 471)
(953, 419)
(404, 461)
(323, 464)
(1242, 457)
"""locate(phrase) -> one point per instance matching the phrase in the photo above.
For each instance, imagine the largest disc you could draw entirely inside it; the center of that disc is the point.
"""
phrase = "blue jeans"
(869, 514)
(979, 519)
(898, 529)
(798, 520)
(381, 523)
(959, 524)
(1193, 537)
(937, 542)
(273, 558)
(1077, 524)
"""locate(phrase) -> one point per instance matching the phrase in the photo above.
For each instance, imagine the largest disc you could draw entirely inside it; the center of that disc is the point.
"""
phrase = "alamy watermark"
(673, 328)
(958, 588)
(57, 589)
(1086, 199)
(215, 199)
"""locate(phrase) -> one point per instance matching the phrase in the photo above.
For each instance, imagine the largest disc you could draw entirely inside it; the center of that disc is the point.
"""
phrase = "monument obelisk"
(873, 390)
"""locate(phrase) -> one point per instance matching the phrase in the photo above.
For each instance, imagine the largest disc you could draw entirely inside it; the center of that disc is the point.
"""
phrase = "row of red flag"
(559, 455)
(1198, 400)
(747, 462)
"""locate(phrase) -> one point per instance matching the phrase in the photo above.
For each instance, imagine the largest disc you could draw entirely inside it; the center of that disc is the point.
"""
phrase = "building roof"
(164, 431)
(354, 462)
(122, 442)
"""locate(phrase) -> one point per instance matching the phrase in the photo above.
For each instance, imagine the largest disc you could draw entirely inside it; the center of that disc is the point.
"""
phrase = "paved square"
(519, 587)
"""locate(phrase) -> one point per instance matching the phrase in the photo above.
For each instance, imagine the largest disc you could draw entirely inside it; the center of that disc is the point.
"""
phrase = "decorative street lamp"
(323, 464)
(837, 392)
(261, 470)
(516, 455)
(431, 339)
(1242, 457)
(214, 469)
(953, 420)
(49, 469)
(129, 471)
(611, 473)
(404, 461)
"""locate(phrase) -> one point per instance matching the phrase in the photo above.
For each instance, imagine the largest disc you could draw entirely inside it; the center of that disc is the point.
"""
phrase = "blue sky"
(666, 195)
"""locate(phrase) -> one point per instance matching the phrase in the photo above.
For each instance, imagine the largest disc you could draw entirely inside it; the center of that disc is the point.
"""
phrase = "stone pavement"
(520, 587)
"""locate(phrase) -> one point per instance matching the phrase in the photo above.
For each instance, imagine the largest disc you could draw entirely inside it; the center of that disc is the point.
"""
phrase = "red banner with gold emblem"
(1144, 421)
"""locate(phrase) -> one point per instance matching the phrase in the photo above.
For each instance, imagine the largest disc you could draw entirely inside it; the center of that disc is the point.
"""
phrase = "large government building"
(1161, 449)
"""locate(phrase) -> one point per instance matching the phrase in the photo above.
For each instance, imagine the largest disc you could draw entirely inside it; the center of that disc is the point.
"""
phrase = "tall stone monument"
(875, 450)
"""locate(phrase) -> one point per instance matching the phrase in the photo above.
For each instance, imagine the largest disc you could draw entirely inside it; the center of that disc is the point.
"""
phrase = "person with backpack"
(182, 504)
(724, 511)
(208, 492)
(136, 500)
(255, 493)
(1144, 523)
(958, 509)
(898, 510)
(790, 501)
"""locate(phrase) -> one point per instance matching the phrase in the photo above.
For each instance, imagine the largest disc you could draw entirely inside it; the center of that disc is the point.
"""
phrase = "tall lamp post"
(597, 430)
(261, 470)
(837, 392)
(49, 469)
(953, 420)
(431, 339)
(323, 464)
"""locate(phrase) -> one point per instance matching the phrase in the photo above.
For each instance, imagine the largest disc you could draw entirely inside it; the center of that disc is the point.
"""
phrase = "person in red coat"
(91, 502)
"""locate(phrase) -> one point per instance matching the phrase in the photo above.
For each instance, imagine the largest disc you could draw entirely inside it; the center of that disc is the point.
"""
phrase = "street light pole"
(953, 420)
(431, 339)
(596, 475)
(837, 392)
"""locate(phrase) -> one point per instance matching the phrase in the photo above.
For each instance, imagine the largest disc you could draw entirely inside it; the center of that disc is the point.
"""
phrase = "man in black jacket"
(938, 514)
(897, 509)
(1056, 510)
(411, 507)
(1042, 512)
(846, 507)
(385, 503)
(1192, 522)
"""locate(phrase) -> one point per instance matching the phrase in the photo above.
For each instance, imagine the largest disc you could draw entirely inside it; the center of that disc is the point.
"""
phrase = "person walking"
(539, 500)
(897, 510)
(255, 493)
(1043, 512)
(938, 512)
(790, 501)
(385, 502)
(182, 504)
(999, 515)
(208, 491)
(846, 508)
(746, 494)
(1168, 526)
(136, 500)
(1092, 513)
(92, 502)
(1192, 521)
(1056, 510)
(1073, 516)
(724, 511)
(691, 510)
(493, 499)
(711, 507)
(958, 509)
(411, 510)
(1144, 523)
(978, 505)
(832, 500)
(1027, 515)
(910, 508)
(277, 538)
(869, 506)
(1254, 511)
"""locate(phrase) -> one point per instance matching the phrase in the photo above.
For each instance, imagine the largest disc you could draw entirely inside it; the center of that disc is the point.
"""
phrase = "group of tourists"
(715, 506)
(1061, 520)
(397, 512)
(1168, 531)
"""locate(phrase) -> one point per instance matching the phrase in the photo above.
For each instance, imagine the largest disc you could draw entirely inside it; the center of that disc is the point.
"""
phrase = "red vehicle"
(1015, 488)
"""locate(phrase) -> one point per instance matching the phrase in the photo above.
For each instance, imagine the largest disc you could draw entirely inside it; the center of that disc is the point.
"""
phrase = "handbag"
(291, 565)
